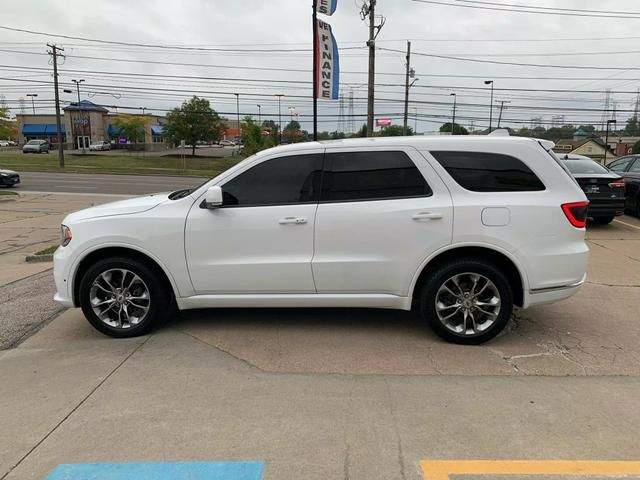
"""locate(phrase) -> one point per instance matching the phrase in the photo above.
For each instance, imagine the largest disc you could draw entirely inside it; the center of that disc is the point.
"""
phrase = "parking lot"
(322, 393)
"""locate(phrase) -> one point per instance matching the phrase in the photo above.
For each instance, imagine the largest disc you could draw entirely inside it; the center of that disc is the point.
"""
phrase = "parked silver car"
(99, 146)
(36, 146)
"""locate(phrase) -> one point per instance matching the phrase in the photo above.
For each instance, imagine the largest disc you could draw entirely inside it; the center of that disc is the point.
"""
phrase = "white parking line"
(627, 224)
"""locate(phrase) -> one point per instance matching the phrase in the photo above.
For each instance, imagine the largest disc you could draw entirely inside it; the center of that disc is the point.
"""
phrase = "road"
(103, 184)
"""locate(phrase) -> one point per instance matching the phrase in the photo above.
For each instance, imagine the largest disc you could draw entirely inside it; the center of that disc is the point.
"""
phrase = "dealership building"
(83, 124)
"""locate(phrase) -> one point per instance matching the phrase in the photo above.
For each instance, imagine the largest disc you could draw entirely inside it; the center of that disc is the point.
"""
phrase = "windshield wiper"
(178, 194)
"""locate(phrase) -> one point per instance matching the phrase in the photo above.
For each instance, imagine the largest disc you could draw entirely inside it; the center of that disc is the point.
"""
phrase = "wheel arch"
(481, 252)
(119, 251)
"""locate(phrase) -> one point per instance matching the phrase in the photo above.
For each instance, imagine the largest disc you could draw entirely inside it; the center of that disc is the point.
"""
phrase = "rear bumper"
(606, 208)
(9, 180)
(554, 294)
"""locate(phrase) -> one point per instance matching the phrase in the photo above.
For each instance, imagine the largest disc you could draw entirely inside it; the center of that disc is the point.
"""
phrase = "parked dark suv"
(629, 168)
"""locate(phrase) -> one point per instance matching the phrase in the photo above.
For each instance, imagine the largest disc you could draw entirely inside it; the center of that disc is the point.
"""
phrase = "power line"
(537, 7)
(524, 10)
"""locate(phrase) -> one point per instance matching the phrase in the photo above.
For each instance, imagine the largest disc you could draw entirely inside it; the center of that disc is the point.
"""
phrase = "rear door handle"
(427, 216)
(292, 221)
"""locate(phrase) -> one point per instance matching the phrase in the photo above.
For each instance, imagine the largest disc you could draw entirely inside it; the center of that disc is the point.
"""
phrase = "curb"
(9, 198)
(39, 258)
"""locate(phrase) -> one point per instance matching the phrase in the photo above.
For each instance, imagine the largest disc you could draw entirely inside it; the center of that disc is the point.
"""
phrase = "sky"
(259, 49)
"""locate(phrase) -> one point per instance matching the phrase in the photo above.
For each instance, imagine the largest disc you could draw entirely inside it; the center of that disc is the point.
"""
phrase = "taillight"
(576, 213)
(617, 183)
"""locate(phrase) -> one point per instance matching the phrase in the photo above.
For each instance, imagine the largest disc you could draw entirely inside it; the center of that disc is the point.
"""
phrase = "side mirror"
(213, 197)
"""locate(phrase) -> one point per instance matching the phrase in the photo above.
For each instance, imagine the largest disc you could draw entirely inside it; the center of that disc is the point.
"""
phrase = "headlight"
(65, 235)
(4, 174)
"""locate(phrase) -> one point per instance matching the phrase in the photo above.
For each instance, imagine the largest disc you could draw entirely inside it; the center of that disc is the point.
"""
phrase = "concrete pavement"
(355, 394)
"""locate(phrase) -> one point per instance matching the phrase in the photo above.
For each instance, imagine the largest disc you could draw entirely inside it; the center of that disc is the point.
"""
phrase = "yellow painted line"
(441, 469)
(627, 224)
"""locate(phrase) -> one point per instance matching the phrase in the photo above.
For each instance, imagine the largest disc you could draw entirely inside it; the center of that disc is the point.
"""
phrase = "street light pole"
(406, 89)
(606, 141)
(238, 114)
(78, 82)
(490, 82)
(279, 95)
(259, 114)
(453, 122)
(33, 105)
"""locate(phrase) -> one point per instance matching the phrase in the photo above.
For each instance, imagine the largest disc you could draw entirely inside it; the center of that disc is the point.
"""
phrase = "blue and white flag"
(326, 7)
(328, 66)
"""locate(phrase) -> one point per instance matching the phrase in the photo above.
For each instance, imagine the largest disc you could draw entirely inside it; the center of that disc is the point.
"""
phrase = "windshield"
(34, 142)
(585, 166)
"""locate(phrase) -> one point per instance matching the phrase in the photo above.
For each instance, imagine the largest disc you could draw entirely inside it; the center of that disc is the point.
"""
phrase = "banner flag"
(328, 63)
(326, 7)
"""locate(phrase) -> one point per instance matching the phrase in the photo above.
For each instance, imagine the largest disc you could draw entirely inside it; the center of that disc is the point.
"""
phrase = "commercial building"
(85, 123)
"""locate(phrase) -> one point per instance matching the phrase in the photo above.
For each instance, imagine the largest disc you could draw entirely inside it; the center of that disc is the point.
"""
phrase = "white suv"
(461, 228)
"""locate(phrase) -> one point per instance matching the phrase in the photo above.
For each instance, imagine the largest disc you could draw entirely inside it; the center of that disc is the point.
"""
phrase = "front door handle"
(292, 221)
(427, 216)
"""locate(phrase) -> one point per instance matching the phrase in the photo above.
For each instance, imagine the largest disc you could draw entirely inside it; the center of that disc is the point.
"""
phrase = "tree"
(394, 131)
(587, 128)
(523, 132)
(131, 127)
(7, 127)
(362, 132)
(195, 121)
(337, 135)
(273, 128)
(324, 136)
(253, 137)
(457, 129)
(632, 129)
(292, 133)
(636, 148)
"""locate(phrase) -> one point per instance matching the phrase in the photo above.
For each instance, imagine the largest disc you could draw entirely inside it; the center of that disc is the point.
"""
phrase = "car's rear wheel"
(467, 301)
(122, 297)
(603, 220)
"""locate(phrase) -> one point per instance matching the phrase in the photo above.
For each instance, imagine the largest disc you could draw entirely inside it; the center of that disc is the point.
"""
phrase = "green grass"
(125, 164)
(7, 192)
(47, 251)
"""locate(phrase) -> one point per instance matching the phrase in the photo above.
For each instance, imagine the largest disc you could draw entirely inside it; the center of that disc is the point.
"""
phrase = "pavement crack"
(394, 419)
(75, 409)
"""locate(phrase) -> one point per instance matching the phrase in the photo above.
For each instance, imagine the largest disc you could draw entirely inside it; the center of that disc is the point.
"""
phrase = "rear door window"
(374, 175)
(488, 172)
(620, 165)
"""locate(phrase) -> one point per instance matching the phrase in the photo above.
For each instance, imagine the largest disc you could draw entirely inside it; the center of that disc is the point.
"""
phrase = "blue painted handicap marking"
(159, 471)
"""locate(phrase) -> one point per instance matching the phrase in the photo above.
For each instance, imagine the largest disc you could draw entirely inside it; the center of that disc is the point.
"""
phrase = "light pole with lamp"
(33, 105)
(490, 82)
(453, 121)
(78, 82)
(259, 114)
(606, 141)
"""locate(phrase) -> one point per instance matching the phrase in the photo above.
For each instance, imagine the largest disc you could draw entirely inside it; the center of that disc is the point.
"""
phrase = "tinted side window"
(371, 176)
(635, 168)
(620, 165)
(284, 180)
(489, 172)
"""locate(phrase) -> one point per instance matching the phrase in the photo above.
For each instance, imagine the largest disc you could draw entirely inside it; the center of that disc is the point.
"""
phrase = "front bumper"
(62, 277)
(9, 180)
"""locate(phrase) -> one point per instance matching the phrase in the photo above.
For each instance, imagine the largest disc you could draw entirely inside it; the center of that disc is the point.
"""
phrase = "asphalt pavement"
(102, 183)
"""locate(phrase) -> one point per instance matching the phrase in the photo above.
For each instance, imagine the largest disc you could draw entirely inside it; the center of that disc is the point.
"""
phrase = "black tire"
(462, 266)
(603, 220)
(159, 298)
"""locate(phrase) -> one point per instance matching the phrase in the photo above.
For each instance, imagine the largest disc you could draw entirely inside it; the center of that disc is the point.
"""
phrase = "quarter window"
(281, 181)
(351, 176)
(620, 165)
(489, 172)
(635, 168)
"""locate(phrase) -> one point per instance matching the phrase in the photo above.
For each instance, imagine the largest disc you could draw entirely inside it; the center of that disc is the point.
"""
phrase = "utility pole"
(54, 53)
(606, 141)
(490, 82)
(259, 114)
(406, 89)
(279, 95)
(501, 102)
(371, 43)
(453, 121)
(33, 105)
(238, 114)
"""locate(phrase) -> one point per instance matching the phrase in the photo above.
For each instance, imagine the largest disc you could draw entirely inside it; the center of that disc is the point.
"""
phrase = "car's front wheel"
(123, 297)
(467, 301)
